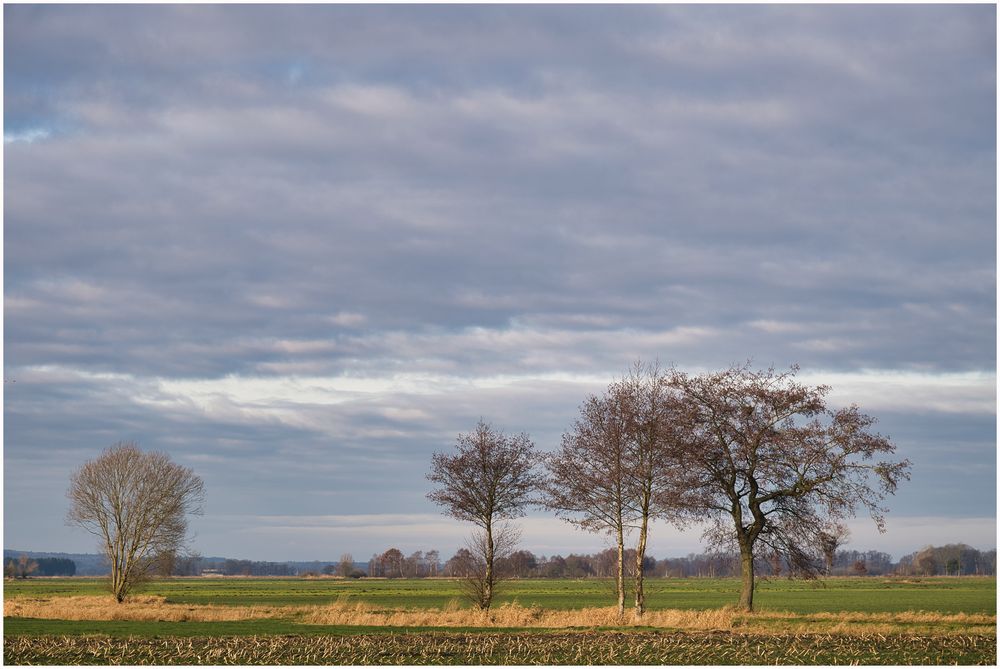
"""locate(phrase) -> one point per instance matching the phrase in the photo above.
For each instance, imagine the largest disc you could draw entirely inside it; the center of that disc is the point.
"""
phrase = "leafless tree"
(614, 469)
(481, 578)
(491, 478)
(461, 564)
(23, 568)
(392, 563)
(772, 465)
(926, 562)
(588, 484)
(346, 565)
(830, 540)
(433, 558)
(413, 564)
(653, 428)
(137, 503)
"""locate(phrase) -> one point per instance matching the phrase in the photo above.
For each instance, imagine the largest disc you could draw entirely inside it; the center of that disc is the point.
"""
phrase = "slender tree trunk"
(488, 585)
(746, 569)
(640, 555)
(621, 573)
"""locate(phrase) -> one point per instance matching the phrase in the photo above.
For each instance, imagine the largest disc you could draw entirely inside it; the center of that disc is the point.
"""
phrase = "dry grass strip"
(135, 608)
(725, 619)
(152, 608)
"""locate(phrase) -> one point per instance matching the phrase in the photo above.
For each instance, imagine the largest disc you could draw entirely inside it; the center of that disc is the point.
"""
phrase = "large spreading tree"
(774, 467)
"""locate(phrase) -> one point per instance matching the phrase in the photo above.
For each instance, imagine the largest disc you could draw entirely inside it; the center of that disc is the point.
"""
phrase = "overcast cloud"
(300, 248)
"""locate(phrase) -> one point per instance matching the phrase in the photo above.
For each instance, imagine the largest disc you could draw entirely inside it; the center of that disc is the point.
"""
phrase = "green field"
(942, 594)
(794, 624)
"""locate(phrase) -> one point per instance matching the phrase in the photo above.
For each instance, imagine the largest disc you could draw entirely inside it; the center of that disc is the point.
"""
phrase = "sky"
(302, 248)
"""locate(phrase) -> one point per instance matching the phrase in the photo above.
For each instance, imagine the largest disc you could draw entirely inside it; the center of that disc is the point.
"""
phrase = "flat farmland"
(942, 595)
(690, 621)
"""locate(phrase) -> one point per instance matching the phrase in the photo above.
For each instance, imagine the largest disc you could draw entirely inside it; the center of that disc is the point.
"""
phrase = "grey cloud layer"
(259, 191)
(799, 173)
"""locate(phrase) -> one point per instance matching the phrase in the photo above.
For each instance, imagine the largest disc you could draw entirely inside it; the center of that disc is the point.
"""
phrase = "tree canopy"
(772, 464)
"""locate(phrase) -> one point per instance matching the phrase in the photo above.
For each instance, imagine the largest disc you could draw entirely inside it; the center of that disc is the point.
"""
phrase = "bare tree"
(614, 471)
(433, 558)
(23, 568)
(490, 479)
(522, 563)
(588, 483)
(392, 563)
(481, 578)
(830, 540)
(926, 562)
(346, 565)
(137, 503)
(461, 564)
(653, 427)
(772, 465)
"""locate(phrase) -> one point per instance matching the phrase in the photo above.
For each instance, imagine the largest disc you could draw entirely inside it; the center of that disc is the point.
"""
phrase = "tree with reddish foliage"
(772, 465)
(491, 479)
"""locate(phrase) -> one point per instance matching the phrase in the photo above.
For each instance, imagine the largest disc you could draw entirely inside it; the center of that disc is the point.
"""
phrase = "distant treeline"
(949, 560)
(194, 566)
(25, 567)
(85, 564)
(953, 559)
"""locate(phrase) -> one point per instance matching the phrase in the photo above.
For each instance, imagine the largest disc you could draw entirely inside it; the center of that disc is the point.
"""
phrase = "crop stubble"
(626, 648)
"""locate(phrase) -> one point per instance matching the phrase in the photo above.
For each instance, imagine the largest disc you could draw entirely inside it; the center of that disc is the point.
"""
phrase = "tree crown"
(492, 476)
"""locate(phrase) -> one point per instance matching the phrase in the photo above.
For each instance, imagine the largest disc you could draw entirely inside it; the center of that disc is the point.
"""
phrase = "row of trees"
(758, 457)
(952, 560)
(393, 564)
(24, 566)
(949, 560)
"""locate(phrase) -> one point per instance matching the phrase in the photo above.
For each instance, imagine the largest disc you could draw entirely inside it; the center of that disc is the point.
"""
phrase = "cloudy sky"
(301, 248)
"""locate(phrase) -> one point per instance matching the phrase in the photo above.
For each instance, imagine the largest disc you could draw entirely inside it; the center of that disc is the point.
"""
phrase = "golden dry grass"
(154, 608)
(725, 619)
(135, 608)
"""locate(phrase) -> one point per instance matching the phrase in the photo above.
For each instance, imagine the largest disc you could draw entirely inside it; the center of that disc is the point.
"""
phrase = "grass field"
(241, 620)
(942, 595)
